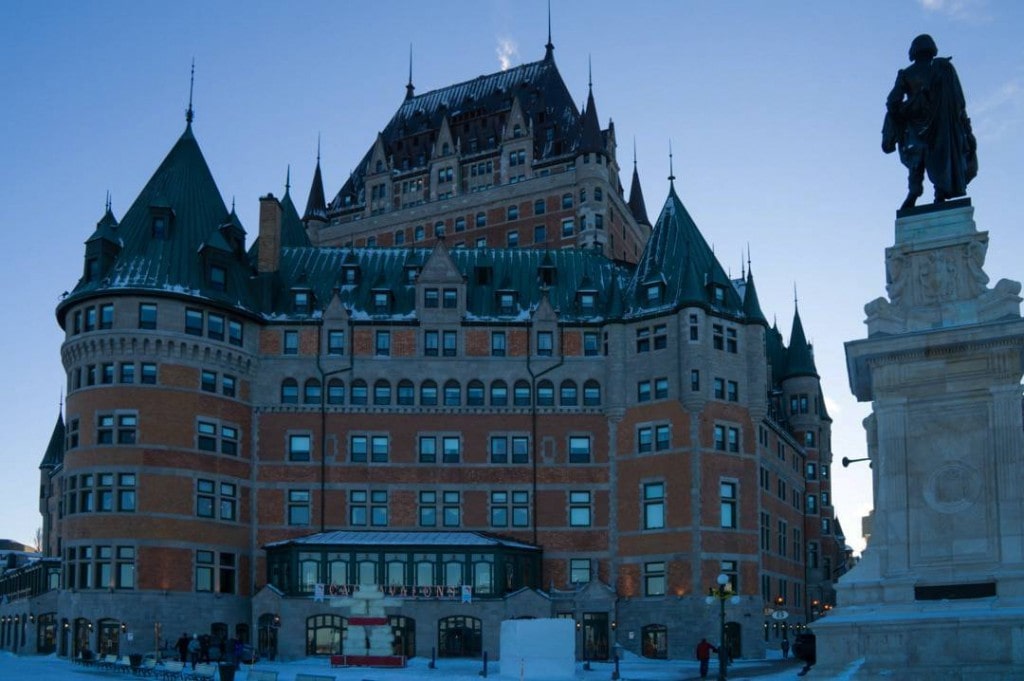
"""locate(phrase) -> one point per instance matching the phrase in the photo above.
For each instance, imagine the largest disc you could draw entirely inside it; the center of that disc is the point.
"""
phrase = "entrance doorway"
(267, 635)
(459, 636)
(735, 640)
(654, 641)
(404, 631)
(595, 636)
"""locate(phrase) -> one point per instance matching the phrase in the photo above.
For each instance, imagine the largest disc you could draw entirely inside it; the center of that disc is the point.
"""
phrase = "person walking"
(182, 647)
(704, 650)
(785, 648)
(194, 648)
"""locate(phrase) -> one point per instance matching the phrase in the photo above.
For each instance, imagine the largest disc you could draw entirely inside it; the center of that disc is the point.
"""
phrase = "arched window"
(359, 391)
(336, 391)
(311, 392)
(566, 200)
(521, 394)
(382, 392)
(406, 392)
(545, 394)
(481, 219)
(459, 636)
(591, 394)
(399, 237)
(417, 233)
(324, 634)
(452, 394)
(428, 393)
(475, 393)
(567, 394)
(499, 394)
(289, 391)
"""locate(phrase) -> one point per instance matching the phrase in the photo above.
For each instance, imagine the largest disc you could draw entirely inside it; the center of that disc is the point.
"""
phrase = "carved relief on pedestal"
(952, 488)
(940, 275)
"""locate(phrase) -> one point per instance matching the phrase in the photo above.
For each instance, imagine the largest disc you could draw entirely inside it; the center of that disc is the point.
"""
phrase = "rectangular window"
(545, 343)
(298, 507)
(579, 570)
(591, 344)
(147, 315)
(451, 449)
(498, 344)
(335, 342)
(499, 449)
(644, 439)
(450, 298)
(208, 381)
(451, 509)
(204, 571)
(579, 449)
(734, 440)
(206, 499)
(579, 509)
(719, 388)
(126, 425)
(206, 436)
(228, 385)
(358, 445)
(383, 343)
(732, 392)
(127, 372)
(428, 449)
(290, 346)
(90, 319)
(643, 340)
(766, 532)
(654, 506)
(357, 507)
(660, 388)
(730, 341)
(718, 336)
(194, 322)
(654, 579)
(299, 447)
(783, 535)
(431, 343)
(449, 343)
(720, 438)
(662, 437)
(428, 509)
(148, 373)
(379, 449)
(694, 380)
(379, 508)
(660, 336)
(512, 239)
(694, 329)
(107, 373)
(727, 492)
(431, 298)
(106, 316)
(568, 227)
(234, 332)
(215, 326)
(643, 391)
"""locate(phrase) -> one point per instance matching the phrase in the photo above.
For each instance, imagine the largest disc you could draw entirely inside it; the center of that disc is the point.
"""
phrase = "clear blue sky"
(773, 110)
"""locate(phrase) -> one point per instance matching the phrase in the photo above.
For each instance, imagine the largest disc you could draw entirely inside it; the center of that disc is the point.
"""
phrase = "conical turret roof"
(799, 357)
(636, 199)
(316, 205)
(54, 455)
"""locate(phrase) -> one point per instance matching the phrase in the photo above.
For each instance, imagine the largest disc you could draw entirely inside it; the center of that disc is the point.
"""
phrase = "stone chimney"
(270, 234)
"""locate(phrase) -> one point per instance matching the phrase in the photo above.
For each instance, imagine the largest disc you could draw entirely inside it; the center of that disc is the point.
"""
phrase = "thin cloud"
(507, 50)
(1000, 113)
(960, 10)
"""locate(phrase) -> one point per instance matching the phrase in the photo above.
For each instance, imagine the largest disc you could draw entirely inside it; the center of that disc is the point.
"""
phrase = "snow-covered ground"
(52, 668)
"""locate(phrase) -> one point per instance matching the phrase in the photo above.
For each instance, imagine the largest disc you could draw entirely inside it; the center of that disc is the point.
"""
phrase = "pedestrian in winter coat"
(194, 649)
(182, 647)
(704, 650)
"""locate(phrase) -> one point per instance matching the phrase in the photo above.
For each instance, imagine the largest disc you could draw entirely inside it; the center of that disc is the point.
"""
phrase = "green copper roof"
(799, 358)
(751, 305)
(54, 455)
(183, 195)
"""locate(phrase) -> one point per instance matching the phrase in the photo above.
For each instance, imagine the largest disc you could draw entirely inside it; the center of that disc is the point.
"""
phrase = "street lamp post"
(722, 593)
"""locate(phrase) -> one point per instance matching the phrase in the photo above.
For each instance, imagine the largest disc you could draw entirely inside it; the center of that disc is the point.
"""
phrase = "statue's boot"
(909, 201)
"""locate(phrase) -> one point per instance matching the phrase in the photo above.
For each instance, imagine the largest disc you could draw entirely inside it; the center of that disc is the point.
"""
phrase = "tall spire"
(316, 206)
(671, 172)
(591, 140)
(549, 49)
(288, 179)
(189, 114)
(637, 205)
(410, 89)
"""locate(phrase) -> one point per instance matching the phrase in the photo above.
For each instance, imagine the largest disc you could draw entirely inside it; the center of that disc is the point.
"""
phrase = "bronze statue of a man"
(926, 117)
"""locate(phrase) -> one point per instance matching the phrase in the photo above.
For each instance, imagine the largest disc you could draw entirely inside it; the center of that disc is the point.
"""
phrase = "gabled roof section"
(799, 357)
(106, 228)
(183, 191)
(542, 95)
(512, 269)
(54, 455)
(678, 254)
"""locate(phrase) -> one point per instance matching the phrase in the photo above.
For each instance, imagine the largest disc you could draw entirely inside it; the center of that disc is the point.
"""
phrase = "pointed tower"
(315, 216)
(53, 459)
(637, 206)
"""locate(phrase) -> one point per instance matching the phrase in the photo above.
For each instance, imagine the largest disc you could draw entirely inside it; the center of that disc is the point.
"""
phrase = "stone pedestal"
(939, 592)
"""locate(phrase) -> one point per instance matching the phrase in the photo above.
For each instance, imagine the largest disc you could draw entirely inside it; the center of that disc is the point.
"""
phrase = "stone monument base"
(947, 640)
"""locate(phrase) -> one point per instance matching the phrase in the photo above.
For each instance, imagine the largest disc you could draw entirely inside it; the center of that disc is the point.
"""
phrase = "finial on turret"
(318, 148)
(189, 114)
(410, 89)
(550, 47)
(671, 172)
(288, 179)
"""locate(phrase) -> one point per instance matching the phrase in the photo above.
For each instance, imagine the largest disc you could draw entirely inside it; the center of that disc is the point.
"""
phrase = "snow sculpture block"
(538, 649)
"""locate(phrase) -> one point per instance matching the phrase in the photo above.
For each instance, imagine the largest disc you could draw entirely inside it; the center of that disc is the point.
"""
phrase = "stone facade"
(938, 593)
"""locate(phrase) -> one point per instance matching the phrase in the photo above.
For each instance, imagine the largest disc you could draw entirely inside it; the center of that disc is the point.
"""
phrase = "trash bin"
(226, 671)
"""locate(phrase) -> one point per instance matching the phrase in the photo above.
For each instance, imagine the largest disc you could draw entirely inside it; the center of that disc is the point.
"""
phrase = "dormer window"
(588, 301)
(517, 130)
(218, 278)
(350, 274)
(381, 302)
(653, 294)
(483, 275)
(507, 302)
(301, 301)
(159, 227)
(411, 274)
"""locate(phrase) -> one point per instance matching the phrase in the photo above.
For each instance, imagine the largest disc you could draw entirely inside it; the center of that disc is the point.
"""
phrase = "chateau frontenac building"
(477, 383)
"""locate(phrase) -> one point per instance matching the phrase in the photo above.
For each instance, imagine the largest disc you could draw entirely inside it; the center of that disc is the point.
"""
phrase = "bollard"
(483, 672)
(433, 659)
(615, 672)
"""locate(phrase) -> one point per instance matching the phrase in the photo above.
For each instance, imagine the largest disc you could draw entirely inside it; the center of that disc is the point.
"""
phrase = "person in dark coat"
(182, 647)
(704, 650)
(785, 648)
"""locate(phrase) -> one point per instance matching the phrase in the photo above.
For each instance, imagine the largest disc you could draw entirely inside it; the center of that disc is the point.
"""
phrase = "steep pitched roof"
(751, 305)
(636, 199)
(799, 357)
(542, 95)
(293, 232)
(316, 205)
(54, 455)
(591, 139)
(676, 240)
(182, 190)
